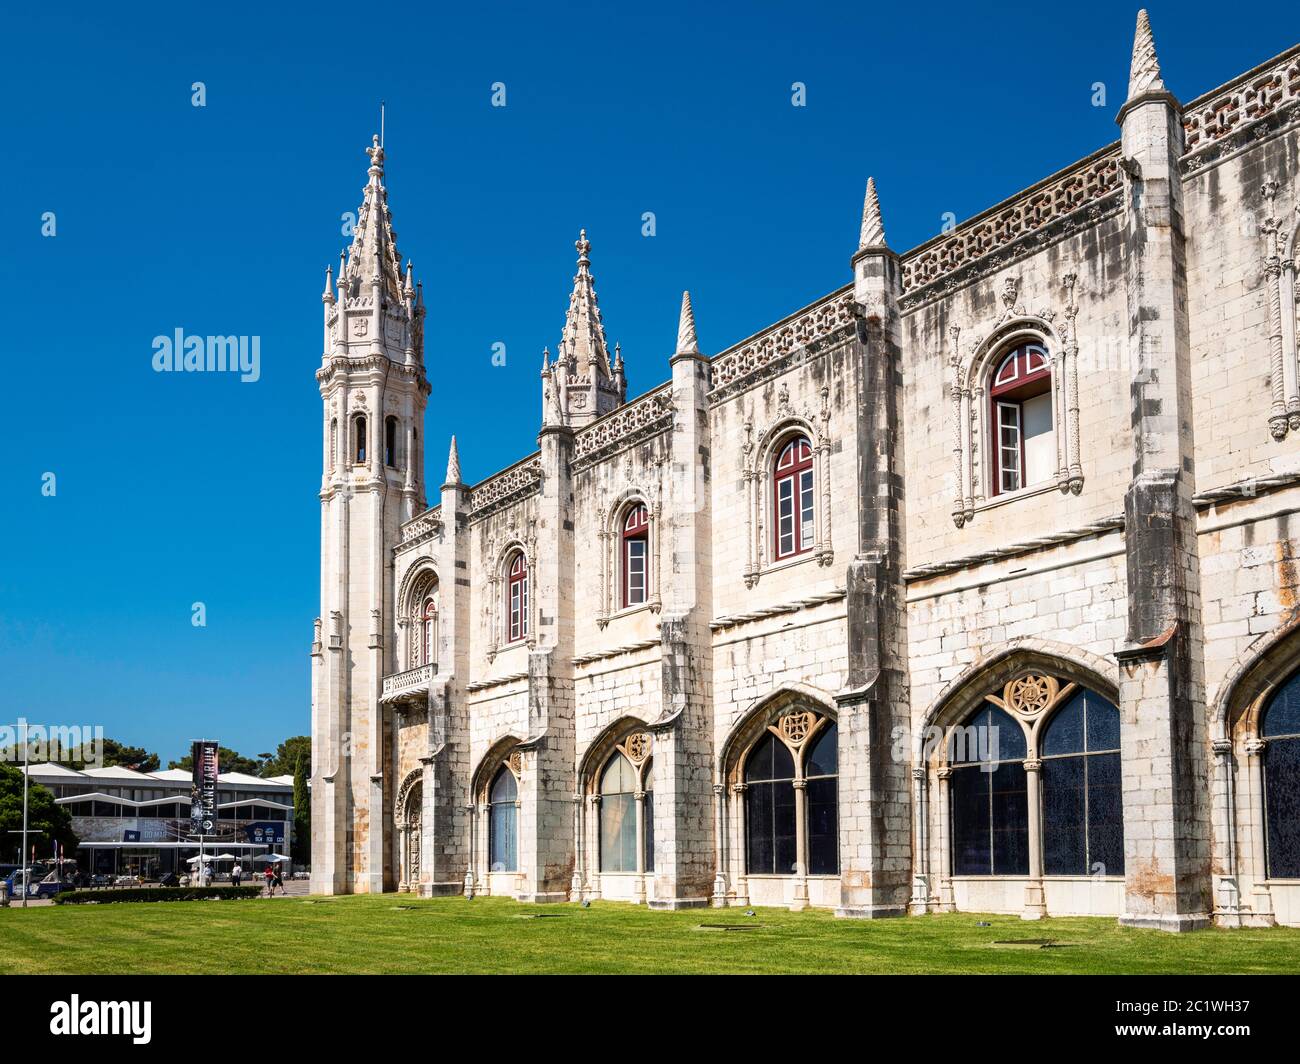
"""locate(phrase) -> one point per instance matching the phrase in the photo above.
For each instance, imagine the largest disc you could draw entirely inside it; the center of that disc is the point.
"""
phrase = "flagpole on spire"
(381, 123)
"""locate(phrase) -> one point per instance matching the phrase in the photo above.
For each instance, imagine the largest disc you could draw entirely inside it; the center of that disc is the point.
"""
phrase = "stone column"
(593, 818)
(639, 797)
(720, 863)
(1227, 892)
(471, 818)
(800, 900)
(947, 901)
(1261, 897)
(742, 854)
(575, 886)
(920, 903)
(1035, 903)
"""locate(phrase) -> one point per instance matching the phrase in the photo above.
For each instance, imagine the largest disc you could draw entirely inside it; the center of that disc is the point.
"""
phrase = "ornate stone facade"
(720, 644)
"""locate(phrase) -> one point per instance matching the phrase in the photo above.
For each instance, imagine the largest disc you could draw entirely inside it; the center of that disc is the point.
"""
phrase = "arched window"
(503, 822)
(636, 556)
(517, 597)
(792, 498)
(769, 808)
(1083, 809)
(390, 442)
(821, 770)
(359, 439)
(1280, 730)
(796, 757)
(989, 807)
(618, 816)
(1024, 445)
(429, 632)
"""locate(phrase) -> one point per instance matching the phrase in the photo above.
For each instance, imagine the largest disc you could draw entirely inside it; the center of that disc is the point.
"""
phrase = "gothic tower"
(373, 391)
(582, 384)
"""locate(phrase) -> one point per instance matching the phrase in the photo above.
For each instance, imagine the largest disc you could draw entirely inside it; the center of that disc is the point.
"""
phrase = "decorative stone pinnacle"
(873, 227)
(376, 154)
(1144, 74)
(453, 464)
(687, 344)
(583, 246)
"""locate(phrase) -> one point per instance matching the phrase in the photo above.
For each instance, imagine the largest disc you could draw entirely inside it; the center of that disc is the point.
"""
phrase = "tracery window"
(1280, 730)
(1083, 808)
(503, 822)
(1024, 443)
(636, 556)
(517, 597)
(793, 498)
(1042, 743)
(989, 808)
(619, 784)
(791, 773)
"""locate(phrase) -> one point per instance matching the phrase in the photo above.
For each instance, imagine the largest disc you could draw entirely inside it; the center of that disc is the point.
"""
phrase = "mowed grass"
(401, 934)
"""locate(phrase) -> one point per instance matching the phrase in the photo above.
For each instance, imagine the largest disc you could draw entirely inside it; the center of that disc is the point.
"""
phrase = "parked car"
(101, 880)
(126, 881)
(46, 886)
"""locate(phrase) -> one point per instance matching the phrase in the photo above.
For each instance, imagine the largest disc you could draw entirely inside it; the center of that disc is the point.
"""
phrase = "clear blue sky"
(174, 489)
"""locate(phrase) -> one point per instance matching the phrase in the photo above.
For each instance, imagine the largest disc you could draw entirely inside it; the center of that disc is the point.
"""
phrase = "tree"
(285, 760)
(301, 811)
(227, 761)
(113, 753)
(47, 822)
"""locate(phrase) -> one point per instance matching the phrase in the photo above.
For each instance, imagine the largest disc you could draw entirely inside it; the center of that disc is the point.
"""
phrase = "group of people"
(272, 875)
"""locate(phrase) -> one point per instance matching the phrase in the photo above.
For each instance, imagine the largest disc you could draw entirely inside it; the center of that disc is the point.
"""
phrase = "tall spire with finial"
(687, 344)
(373, 252)
(1144, 73)
(873, 226)
(583, 344)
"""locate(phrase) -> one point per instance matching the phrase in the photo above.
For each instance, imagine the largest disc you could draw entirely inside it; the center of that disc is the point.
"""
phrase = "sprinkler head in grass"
(586, 904)
(750, 912)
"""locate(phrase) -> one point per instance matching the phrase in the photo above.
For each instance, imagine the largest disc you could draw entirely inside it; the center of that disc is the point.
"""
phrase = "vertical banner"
(203, 790)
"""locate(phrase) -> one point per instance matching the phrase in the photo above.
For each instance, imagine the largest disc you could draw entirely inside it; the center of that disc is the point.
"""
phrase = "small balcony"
(409, 686)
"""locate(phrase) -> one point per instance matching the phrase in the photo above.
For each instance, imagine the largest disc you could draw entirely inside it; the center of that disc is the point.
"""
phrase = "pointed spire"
(1144, 74)
(873, 227)
(582, 344)
(687, 344)
(453, 464)
(409, 289)
(546, 361)
(373, 254)
(327, 296)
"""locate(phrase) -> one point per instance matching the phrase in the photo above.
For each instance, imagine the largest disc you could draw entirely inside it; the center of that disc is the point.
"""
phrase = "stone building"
(971, 585)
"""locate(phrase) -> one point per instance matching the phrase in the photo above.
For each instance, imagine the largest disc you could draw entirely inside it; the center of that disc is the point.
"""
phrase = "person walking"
(270, 881)
(236, 874)
(277, 880)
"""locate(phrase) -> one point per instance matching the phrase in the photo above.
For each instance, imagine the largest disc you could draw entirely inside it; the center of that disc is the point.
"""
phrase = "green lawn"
(396, 933)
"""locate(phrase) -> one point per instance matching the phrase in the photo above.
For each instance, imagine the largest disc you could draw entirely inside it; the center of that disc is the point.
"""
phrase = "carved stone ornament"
(796, 726)
(1031, 693)
(637, 747)
(516, 763)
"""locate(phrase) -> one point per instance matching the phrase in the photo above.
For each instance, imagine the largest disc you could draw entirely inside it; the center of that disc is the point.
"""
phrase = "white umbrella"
(196, 860)
(275, 858)
(225, 857)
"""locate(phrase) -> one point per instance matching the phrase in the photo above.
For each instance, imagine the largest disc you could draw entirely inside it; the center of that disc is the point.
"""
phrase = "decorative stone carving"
(1031, 694)
(994, 234)
(505, 488)
(768, 349)
(796, 726)
(630, 424)
(637, 747)
(1212, 117)
(1280, 277)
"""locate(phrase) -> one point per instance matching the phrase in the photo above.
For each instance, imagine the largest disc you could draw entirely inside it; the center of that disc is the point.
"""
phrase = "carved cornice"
(419, 529)
(505, 488)
(1011, 550)
(782, 346)
(647, 416)
(1065, 203)
(735, 619)
(1226, 111)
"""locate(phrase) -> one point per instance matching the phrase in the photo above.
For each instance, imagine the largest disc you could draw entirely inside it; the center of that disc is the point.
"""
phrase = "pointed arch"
(1258, 671)
(762, 712)
(498, 754)
(603, 746)
(991, 673)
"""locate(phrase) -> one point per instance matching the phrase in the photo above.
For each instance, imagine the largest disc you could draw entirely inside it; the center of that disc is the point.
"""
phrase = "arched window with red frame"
(1024, 445)
(792, 498)
(517, 597)
(636, 555)
(429, 632)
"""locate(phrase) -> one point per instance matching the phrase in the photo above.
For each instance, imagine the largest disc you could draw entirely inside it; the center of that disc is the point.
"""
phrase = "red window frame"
(793, 499)
(1023, 374)
(517, 598)
(429, 620)
(636, 540)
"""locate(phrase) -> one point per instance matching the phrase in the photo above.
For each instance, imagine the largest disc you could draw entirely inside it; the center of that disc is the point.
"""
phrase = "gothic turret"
(582, 383)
